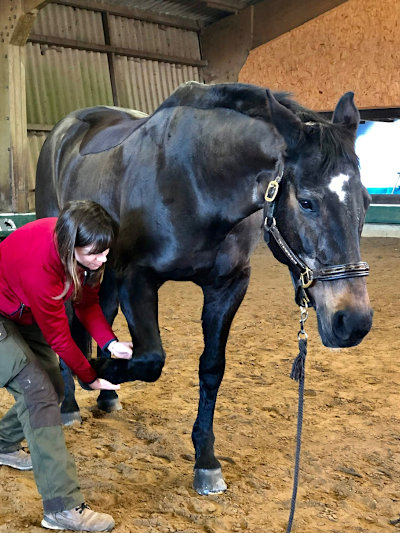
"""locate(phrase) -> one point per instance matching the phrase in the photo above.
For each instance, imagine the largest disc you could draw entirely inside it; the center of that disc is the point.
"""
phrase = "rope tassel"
(298, 368)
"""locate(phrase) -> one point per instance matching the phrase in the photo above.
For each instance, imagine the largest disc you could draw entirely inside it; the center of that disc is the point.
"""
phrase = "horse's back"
(87, 131)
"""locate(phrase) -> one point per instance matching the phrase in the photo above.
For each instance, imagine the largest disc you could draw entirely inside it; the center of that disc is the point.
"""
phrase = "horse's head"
(320, 210)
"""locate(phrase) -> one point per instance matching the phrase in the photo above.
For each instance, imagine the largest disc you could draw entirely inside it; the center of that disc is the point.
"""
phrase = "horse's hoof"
(208, 481)
(109, 405)
(68, 419)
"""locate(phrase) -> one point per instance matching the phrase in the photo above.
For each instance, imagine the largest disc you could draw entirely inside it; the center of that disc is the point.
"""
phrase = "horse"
(193, 186)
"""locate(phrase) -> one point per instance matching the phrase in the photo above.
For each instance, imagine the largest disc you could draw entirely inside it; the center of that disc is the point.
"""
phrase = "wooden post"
(16, 20)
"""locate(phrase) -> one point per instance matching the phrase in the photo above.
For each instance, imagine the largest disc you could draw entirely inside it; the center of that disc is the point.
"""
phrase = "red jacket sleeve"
(51, 318)
(91, 316)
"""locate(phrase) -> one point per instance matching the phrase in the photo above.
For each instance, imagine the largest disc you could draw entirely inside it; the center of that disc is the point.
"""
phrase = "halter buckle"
(306, 278)
(272, 191)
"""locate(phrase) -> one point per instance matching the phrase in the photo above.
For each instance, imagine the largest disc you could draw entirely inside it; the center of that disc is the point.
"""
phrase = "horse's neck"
(225, 157)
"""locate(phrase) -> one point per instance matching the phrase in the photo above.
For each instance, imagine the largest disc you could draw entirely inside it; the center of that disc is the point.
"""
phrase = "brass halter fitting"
(306, 278)
(303, 317)
(272, 191)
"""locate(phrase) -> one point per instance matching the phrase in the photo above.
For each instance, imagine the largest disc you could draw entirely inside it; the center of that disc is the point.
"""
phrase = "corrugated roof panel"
(144, 84)
(59, 80)
(56, 20)
(149, 37)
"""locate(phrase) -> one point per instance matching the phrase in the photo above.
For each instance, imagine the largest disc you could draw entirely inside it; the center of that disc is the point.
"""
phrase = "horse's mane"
(335, 141)
(244, 98)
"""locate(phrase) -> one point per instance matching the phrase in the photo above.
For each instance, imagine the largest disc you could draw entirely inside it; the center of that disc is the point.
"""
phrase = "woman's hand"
(122, 350)
(103, 384)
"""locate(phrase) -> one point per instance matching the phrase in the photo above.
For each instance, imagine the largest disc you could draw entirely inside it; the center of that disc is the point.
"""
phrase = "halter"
(306, 276)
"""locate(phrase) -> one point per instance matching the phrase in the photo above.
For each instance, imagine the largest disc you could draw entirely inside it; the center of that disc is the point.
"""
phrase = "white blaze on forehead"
(337, 185)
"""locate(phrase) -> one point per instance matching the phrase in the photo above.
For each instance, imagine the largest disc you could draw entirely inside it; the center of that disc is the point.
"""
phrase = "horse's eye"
(306, 204)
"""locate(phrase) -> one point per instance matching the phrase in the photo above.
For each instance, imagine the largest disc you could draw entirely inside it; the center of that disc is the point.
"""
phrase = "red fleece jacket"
(31, 275)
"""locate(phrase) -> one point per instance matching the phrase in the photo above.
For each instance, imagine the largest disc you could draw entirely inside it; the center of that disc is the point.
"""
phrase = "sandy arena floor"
(137, 463)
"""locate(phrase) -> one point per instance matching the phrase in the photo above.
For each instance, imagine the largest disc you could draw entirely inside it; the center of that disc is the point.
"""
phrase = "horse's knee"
(148, 366)
(145, 367)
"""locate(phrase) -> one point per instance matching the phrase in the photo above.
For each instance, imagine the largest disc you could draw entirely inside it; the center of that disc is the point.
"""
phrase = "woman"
(43, 264)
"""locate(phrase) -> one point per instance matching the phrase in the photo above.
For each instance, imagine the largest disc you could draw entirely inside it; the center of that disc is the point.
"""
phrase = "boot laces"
(82, 507)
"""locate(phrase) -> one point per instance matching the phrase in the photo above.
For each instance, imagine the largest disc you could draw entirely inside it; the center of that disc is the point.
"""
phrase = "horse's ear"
(286, 122)
(346, 113)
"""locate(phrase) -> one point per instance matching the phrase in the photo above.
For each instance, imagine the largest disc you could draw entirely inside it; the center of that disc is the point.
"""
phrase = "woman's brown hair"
(83, 223)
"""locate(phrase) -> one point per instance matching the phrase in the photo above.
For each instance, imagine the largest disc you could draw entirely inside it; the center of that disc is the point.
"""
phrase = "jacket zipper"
(20, 310)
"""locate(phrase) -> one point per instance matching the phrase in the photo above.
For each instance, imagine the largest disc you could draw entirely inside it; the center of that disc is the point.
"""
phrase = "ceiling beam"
(29, 5)
(106, 48)
(131, 12)
(232, 6)
(273, 18)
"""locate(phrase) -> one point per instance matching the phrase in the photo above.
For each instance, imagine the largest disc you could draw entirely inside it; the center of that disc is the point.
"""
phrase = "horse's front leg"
(220, 305)
(139, 303)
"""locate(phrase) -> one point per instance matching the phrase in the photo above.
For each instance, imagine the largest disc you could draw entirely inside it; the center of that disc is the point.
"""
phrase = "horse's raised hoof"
(208, 481)
(68, 419)
(109, 405)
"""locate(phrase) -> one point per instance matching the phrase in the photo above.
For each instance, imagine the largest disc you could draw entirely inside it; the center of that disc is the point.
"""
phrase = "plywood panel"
(354, 47)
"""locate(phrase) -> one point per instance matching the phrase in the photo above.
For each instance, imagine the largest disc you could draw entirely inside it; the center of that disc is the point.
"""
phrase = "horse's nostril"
(351, 325)
(340, 328)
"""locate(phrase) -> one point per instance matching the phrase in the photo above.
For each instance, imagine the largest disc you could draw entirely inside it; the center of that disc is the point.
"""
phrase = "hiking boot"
(19, 460)
(80, 518)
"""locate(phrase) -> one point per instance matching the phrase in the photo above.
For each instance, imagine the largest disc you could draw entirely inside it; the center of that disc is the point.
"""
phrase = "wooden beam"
(5, 134)
(105, 18)
(40, 127)
(226, 45)
(81, 45)
(275, 17)
(15, 25)
(224, 5)
(18, 126)
(22, 28)
(30, 5)
(130, 12)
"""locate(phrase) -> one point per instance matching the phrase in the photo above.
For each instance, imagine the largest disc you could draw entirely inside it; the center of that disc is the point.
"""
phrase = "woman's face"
(84, 256)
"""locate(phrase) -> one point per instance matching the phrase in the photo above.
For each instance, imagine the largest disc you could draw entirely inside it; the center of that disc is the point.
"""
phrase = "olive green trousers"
(29, 370)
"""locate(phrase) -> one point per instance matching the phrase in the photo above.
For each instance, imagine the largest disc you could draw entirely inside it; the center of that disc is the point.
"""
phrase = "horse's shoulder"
(107, 127)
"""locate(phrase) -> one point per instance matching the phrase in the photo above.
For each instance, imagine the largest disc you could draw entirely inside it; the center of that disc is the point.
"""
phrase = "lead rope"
(298, 374)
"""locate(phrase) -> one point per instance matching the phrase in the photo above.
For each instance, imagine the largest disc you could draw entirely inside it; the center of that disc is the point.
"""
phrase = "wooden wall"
(354, 47)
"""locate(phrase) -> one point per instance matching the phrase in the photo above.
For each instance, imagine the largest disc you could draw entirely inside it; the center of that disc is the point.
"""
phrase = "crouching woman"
(42, 265)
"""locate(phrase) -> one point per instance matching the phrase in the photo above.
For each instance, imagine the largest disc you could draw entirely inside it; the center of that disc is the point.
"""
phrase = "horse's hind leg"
(108, 399)
(221, 302)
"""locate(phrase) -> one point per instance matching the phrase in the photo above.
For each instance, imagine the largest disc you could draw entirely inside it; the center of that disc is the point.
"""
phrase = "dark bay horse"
(186, 186)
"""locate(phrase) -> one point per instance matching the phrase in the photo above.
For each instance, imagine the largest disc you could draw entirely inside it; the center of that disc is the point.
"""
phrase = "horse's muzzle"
(348, 328)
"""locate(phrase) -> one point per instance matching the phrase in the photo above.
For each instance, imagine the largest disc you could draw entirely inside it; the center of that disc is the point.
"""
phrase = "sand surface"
(137, 463)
